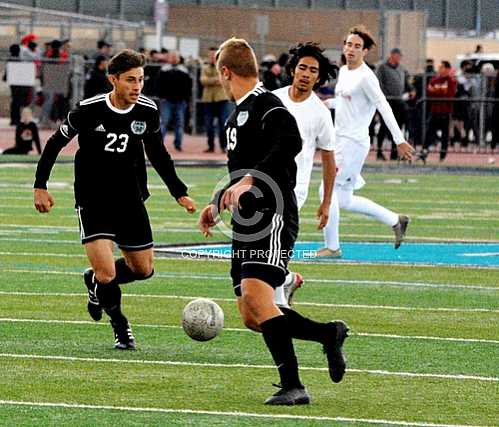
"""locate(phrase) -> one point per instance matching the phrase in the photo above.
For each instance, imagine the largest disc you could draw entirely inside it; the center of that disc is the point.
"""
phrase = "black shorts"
(266, 255)
(128, 226)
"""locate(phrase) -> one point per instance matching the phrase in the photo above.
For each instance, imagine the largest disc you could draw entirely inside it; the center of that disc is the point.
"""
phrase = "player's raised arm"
(43, 201)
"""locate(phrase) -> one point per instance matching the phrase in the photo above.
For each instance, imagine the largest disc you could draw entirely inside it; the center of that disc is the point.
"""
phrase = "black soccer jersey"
(263, 136)
(109, 164)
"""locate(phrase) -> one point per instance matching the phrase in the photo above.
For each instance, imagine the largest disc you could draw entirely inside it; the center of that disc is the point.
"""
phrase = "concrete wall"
(448, 48)
(287, 26)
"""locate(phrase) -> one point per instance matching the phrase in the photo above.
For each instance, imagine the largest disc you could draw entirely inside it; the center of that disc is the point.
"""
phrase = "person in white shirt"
(358, 96)
(309, 68)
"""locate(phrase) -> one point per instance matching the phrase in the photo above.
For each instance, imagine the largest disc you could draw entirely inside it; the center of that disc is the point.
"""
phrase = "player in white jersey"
(358, 96)
(309, 68)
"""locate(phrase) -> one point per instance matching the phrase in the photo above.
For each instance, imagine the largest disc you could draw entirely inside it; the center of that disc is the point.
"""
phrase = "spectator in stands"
(215, 102)
(479, 49)
(20, 96)
(103, 49)
(151, 70)
(174, 88)
(55, 105)
(461, 114)
(443, 85)
(272, 77)
(26, 135)
(29, 48)
(394, 81)
(495, 116)
(97, 81)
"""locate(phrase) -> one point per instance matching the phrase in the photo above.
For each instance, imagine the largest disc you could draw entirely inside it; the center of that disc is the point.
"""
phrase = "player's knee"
(104, 275)
(145, 272)
(249, 321)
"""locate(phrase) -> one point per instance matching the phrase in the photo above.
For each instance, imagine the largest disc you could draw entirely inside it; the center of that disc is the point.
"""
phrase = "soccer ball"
(202, 319)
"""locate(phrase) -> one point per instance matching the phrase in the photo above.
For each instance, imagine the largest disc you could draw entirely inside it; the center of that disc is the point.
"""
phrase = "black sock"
(124, 274)
(275, 332)
(305, 329)
(109, 296)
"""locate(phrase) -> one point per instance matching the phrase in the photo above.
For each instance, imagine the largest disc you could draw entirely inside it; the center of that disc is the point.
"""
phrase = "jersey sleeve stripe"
(272, 109)
(147, 100)
(69, 122)
(93, 99)
(147, 105)
(64, 133)
(93, 102)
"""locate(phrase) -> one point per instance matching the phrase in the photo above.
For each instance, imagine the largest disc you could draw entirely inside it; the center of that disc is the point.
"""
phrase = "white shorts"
(350, 157)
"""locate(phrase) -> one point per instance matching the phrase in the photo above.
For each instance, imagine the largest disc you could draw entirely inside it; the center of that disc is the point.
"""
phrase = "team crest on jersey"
(138, 127)
(242, 118)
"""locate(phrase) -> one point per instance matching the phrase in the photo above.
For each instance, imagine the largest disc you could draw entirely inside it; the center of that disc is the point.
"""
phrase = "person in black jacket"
(26, 135)
(97, 81)
(110, 185)
(263, 140)
(174, 88)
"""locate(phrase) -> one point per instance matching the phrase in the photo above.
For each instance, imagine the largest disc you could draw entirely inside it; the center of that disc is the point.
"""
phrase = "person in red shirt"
(442, 85)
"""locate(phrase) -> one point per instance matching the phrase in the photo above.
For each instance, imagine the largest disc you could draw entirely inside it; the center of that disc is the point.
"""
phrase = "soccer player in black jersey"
(111, 185)
(263, 140)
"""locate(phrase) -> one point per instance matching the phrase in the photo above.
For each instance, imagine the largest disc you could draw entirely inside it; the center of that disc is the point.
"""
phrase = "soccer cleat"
(333, 350)
(123, 337)
(289, 396)
(328, 253)
(93, 306)
(290, 288)
(399, 229)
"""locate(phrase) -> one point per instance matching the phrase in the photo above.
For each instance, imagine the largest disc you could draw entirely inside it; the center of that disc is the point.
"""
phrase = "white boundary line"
(308, 304)
(227, 414)
(246, 366)
(359, 334)
(222, 413)
(174, 275)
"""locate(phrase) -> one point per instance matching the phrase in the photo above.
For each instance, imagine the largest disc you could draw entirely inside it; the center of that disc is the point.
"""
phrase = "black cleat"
(289, 396)
(93, 306)
(123, 337)
(333, 350)
(399, 230)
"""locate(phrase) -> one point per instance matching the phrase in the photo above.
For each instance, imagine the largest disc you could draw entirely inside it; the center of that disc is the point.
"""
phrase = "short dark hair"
(124, 61)
(446, 64)
(364, 34)
(314, 50)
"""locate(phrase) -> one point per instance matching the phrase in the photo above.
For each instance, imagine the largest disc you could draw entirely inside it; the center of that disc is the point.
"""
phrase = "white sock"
(368, 207)
(331, 231)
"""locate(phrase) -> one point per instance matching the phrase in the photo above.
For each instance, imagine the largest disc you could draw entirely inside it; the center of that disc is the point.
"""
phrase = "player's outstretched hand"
(406, 151)
(323, 215)
(207, 220)
(43, 200)
(187, 203)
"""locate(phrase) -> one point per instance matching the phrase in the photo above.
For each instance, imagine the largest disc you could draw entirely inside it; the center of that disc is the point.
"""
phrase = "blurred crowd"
(443, 109)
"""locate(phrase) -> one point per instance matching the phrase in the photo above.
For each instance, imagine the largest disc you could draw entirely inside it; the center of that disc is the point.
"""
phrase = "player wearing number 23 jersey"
(109, 164)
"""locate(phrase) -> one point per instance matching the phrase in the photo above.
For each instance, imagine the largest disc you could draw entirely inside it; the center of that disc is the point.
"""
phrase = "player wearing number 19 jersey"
(111, 185)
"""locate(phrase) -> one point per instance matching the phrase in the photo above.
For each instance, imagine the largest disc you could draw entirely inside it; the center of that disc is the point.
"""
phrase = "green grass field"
(424, 346)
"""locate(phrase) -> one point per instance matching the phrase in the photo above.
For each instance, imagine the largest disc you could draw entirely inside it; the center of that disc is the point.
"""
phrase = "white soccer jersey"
(358, 95)
(316, 130)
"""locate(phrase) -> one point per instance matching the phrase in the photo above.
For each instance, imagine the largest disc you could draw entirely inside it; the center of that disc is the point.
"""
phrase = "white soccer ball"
(202, 319)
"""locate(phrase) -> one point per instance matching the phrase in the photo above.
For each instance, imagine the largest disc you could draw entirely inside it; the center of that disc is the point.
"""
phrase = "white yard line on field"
(308, 304)
(245, 366)
(352, 282)
(359, 334)
(221, 413)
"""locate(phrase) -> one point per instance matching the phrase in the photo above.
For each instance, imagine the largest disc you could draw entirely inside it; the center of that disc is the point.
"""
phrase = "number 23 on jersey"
(116, 143)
